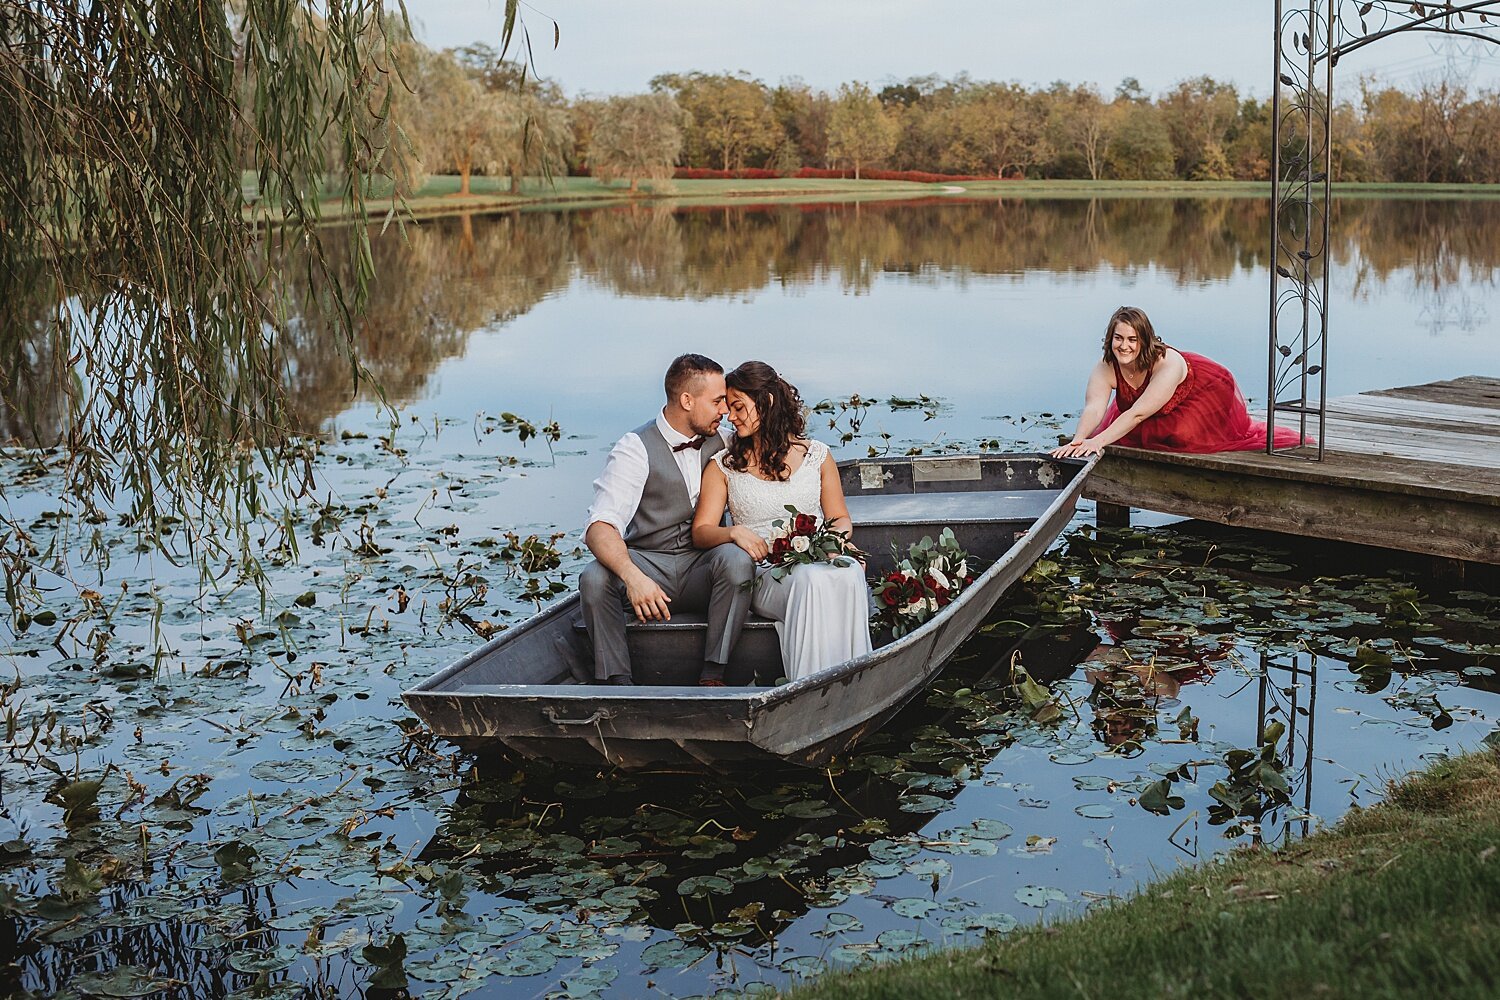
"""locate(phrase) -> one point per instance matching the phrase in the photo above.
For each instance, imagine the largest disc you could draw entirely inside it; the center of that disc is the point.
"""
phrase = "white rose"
(939, 579)
(940, 565)
(779, 530)
(931, 604)
(962, 572)
(909, 609)
(801, 544)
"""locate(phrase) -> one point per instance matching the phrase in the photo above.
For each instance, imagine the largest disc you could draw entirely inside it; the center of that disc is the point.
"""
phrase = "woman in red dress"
(1164, 399)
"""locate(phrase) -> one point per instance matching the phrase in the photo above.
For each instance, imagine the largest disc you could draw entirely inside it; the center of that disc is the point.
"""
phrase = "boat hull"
(527, 690)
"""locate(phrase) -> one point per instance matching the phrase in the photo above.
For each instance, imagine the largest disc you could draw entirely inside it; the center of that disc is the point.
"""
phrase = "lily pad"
(1039, 896)
(672, 954)
(264, 960)
(913, 906)
(121, 981)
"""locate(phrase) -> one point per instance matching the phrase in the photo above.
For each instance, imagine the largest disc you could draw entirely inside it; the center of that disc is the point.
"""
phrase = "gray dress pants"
(711, 580)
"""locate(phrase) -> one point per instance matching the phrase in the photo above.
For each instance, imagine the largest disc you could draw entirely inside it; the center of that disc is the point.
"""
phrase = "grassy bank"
(1400, 900)
(439, 196)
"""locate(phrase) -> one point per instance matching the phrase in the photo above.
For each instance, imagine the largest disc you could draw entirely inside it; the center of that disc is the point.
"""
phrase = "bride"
(821, 610)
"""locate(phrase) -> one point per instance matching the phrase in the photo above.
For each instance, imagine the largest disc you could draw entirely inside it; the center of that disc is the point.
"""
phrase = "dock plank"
(1471, 390)
(1415, 468)
(1473, 420)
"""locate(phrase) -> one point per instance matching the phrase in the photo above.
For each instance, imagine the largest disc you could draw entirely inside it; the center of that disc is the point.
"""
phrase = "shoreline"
(436, 200)
(1395, 900)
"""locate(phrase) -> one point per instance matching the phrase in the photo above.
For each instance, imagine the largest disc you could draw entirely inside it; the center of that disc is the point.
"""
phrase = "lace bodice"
(756, 502)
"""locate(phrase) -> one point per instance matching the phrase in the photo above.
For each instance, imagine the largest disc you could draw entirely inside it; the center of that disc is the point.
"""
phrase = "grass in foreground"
(1399, 900)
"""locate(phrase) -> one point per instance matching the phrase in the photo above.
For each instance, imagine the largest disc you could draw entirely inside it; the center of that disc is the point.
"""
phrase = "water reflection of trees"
(445, 279)
(728, 251)
(437, 284)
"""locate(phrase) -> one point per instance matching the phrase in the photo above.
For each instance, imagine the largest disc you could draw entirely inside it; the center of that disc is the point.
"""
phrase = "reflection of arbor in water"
(1448, 246)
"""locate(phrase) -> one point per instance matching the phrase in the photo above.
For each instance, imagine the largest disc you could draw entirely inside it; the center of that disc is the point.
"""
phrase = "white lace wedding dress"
(822, 612)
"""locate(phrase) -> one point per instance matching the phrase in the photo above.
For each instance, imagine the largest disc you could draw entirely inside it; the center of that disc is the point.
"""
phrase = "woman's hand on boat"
(749, 541)
(1078, 449)
(648, 599)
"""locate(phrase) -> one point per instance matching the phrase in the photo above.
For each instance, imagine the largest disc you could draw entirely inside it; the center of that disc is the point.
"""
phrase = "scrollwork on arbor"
(1311, 37)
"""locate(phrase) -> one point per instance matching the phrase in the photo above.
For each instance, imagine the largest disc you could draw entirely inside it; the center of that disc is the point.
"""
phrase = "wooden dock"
(1415, 468)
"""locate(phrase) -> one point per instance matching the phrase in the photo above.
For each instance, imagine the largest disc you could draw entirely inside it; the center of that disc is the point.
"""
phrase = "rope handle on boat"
(599, 715)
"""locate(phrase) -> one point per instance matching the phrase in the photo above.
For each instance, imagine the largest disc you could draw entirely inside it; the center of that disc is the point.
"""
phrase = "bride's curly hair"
(782, 421)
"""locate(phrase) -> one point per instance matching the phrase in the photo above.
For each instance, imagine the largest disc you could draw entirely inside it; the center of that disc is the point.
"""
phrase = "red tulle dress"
(1206, 413)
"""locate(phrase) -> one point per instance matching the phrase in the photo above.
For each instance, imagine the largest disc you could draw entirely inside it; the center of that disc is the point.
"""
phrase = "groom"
(640, 530)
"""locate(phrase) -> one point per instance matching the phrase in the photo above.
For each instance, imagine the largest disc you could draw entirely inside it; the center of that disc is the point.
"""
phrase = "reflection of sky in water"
(988, 345)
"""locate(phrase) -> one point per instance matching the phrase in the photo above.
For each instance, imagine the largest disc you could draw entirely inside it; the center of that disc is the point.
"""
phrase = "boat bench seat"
(949, 508)
(671, 652)
(690, 620)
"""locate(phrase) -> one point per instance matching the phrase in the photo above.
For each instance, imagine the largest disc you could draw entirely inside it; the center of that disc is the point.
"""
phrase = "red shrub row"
(761, 174)
(919, 176)
(707, 174)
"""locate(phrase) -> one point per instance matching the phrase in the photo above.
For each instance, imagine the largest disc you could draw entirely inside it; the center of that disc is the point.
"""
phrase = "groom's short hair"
(684, 369)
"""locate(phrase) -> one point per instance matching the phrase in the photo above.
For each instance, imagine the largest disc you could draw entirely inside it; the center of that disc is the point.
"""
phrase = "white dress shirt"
(617, 491)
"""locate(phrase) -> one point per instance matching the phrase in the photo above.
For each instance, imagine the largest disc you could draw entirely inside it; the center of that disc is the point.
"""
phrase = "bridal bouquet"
(803, 539)
(929, 578)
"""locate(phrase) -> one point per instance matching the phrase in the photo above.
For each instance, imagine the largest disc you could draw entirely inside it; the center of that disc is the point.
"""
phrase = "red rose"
(803, 524)
(780, 546)
(890, 597)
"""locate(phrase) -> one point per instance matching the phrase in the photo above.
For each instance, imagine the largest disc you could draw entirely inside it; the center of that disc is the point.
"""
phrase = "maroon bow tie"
(693, 443)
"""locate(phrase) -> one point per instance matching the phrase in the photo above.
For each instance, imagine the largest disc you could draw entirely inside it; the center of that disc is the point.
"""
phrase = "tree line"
(468, 112)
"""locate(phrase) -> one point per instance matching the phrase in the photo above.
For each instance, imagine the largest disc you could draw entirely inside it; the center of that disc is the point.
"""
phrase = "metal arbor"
(1311, 37)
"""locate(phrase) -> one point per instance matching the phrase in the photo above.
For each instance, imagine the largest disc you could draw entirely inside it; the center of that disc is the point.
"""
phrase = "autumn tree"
(535, 137)
(1081, 125)
(531, 127)
(1198, 114)
(636, 137)
(802, 114)
(1142, 146)
(729, 117)
(464, 125)
(1249, 141)
(584, 114)
(499, 75)
(996, 129)
(859, 130)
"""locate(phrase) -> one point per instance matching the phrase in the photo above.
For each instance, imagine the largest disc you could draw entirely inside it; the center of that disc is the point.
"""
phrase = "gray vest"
(663, 520)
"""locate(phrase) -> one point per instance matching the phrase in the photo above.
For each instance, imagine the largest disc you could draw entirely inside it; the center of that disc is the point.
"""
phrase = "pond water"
(203, 798)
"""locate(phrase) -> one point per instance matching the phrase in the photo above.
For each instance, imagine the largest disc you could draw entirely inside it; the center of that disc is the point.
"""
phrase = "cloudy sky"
(616, 46)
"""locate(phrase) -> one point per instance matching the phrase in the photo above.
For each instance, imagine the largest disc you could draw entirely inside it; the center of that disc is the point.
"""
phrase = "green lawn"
(439, 196)
(1400, 900)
